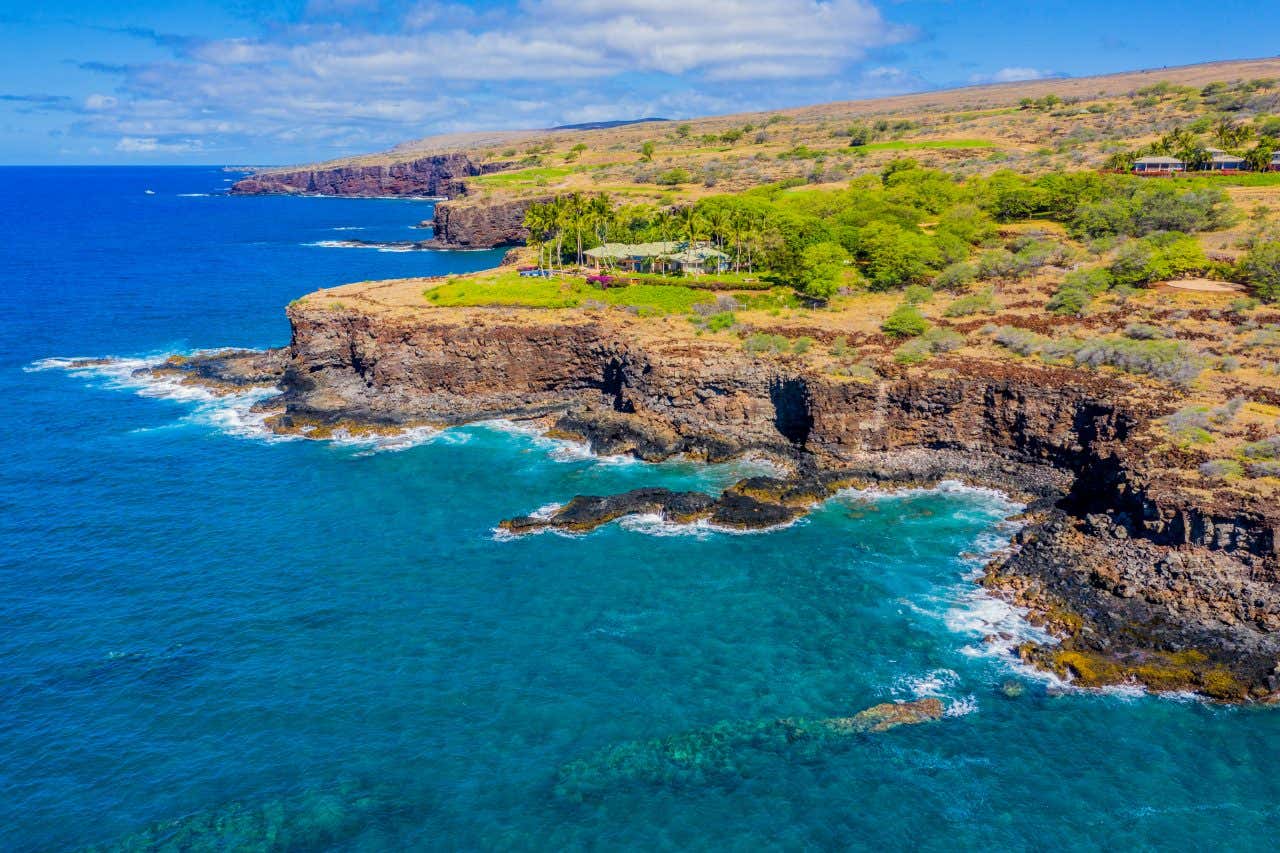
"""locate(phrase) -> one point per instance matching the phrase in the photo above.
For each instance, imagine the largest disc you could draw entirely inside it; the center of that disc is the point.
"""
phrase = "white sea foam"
(936, 683)
(193, 195)
(233, 414)
(348, 228)
(355, 244)
(653, 524)
(559, 449)
(962, 707)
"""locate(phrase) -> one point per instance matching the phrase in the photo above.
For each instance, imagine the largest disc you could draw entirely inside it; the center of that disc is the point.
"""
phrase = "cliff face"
(1194, 573)
(472, 224)
(440, 175)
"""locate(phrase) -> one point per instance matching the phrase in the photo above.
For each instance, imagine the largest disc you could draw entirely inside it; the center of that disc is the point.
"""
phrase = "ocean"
(216, 639)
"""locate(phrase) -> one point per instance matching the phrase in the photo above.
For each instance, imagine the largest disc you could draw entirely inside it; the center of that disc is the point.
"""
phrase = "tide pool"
(214, 638)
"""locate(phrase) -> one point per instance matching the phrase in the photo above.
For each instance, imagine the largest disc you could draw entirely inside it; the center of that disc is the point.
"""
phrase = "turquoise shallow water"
(329, 645)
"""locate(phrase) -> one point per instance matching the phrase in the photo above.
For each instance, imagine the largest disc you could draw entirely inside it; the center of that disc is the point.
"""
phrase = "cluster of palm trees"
(577, 221)
(1184, 144)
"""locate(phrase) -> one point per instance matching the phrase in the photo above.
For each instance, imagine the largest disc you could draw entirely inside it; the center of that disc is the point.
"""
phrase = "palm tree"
(719, 221)
(556, 212)
(690, 222)
(1231, 135)
(602, 217)
(539, 220)
(1195, 156)
(1178, 139)
(1259, 158)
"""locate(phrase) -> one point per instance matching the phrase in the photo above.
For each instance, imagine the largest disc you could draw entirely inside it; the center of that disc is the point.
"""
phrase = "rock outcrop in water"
(1137, 566)
(317, 819)
(480, 224)
(716, 754)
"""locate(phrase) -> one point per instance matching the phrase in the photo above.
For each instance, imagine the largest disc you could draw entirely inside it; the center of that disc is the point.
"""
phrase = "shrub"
(957, 276)
(912, 352)
(1069, 301)
(968, 222)
(1157, 258)
(1168, 360)
(1021, 341)
(933, 341)
(943, 339)
(859, 135)
(673, 177)
(1263, 469)
(1144, 332)
(917, 294)
(1221, 469)
(1261, 268)
(1267, 448)
(974, 303)
(762, 343)
(998, 264)
(1094, 280)
(906, 321)
(720, 322)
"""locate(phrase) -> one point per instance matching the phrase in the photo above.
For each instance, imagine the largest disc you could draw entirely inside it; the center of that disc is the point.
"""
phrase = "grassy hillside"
(1030, 127)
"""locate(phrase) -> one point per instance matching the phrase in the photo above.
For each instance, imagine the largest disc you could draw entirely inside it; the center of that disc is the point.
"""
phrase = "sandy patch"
(1203, 285)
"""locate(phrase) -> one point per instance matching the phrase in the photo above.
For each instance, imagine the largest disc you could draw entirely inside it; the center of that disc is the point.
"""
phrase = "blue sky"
(279, 81)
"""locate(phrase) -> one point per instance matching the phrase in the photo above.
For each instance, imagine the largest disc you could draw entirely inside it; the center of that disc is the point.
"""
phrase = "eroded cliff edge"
(1141, 579)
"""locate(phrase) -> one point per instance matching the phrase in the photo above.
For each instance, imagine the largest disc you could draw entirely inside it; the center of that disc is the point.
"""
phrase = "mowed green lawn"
(509, 288)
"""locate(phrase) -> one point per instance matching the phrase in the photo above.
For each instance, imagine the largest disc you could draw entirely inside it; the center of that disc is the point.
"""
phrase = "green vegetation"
(820, 268)
(906, 321)
(1159, 257)
(512, 290)
(1169, 360)
(523, 177)
(974, 303)
(1078, 290)
(934, 341)
(775, 344)
(1261, 266)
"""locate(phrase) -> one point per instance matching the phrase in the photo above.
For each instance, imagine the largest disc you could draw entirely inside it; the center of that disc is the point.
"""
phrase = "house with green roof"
(665, 256)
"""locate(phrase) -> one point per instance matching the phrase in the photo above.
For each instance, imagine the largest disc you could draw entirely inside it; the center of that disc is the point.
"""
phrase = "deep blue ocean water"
(325, 646)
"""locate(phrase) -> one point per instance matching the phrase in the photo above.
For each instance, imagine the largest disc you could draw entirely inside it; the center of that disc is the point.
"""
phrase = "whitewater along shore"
(1141, 578)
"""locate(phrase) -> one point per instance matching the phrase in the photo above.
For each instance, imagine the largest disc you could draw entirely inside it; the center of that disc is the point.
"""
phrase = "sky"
(260, 82)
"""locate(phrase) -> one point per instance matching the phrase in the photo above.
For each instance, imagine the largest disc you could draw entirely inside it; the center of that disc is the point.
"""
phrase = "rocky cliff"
(1141, 580)
(440, 175)
(480, 224)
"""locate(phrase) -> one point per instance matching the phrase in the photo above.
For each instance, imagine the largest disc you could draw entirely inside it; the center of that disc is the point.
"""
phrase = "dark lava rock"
(587, 512)
(747, 513)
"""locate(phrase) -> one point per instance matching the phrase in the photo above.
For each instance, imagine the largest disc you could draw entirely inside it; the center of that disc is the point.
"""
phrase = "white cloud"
(348, 75)
(1014, 75)
(152, 145)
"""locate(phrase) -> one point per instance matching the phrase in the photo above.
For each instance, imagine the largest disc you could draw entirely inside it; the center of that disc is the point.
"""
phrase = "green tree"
(820, 268)
(647, 149)
(1009, 196)
(1261, 266)
(859, 135)
(896, 257)
(1259, 157)
(906, 321)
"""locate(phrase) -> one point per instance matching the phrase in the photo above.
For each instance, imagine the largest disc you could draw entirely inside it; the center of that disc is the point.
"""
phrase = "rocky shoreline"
(458, 223)
(1140, 580)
